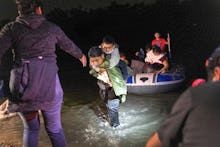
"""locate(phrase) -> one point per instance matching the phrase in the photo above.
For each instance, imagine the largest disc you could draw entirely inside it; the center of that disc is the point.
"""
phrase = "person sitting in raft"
(137, 64)
(123, 65)
(156, 61)
(141, 54)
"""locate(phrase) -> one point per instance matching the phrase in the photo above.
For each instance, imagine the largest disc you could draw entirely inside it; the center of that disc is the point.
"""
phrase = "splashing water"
(87, 125)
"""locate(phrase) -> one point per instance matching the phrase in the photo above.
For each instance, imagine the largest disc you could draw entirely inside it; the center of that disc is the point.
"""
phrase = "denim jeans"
(113, 105)
(52, 121)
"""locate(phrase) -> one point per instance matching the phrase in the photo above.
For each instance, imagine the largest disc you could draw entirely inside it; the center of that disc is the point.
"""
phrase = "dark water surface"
(83, 122)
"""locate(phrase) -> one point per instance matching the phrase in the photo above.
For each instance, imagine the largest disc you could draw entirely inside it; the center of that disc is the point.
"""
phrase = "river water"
(85, 122)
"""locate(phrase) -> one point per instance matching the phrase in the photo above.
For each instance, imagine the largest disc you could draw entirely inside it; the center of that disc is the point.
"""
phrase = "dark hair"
(157, 49)
(108, 39)
(214, 59)
(95, 51)
(157, 33)
(212, 62)
(28, 6)
(148, 45)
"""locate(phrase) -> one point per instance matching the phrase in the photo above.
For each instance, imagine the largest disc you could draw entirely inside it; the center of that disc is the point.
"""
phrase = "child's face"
(107, 48)
(96, 61)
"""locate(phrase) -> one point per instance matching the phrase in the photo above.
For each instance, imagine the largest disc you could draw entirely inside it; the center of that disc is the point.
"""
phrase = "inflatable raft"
(150, 83)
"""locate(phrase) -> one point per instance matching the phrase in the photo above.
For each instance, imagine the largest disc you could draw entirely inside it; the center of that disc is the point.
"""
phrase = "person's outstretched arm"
(70, 47)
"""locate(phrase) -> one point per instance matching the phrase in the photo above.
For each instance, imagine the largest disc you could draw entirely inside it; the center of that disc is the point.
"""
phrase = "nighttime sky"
(8, 10)
(91, 4)
(201, 18)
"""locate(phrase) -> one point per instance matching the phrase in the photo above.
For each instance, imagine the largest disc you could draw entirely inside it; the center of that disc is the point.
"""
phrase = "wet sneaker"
(115, 125)
(104, 124)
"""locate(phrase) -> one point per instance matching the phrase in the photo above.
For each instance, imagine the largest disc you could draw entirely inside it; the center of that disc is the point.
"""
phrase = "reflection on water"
(139, 117)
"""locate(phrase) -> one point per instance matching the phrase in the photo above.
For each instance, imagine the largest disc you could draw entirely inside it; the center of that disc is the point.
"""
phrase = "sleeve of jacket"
(68, 45)
(170, 131)
(115, 57)
(5, 39)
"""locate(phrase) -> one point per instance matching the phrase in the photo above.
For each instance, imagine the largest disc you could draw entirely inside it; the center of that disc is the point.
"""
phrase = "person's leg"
(31, 128)
(113, 105)
(52, 119)
(137, 66)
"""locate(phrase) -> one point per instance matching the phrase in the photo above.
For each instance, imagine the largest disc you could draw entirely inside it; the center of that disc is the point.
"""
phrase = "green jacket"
(115, 77)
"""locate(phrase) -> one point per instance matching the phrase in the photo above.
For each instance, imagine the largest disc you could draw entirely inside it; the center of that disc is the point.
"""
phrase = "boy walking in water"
(112, 86)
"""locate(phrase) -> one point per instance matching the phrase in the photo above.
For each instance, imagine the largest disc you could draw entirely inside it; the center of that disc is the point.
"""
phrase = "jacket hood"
(32, 21)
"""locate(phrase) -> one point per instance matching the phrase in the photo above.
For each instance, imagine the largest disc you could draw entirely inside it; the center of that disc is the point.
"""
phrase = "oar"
(168, 43)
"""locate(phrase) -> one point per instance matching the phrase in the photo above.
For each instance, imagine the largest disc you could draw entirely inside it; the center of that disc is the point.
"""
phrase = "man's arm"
(165, 67)
(68, 45)
(169, 133)
(154, 141)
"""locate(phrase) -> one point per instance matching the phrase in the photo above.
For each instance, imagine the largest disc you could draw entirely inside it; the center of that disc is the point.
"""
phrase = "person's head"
(26, 7)
(96, 56)
(213, 65)
(156, 50)
(157, 35)
(148, 47)
(122, 56)
(108, 44)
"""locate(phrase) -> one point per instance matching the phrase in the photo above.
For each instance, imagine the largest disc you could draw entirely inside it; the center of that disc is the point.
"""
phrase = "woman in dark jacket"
(34, 82)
